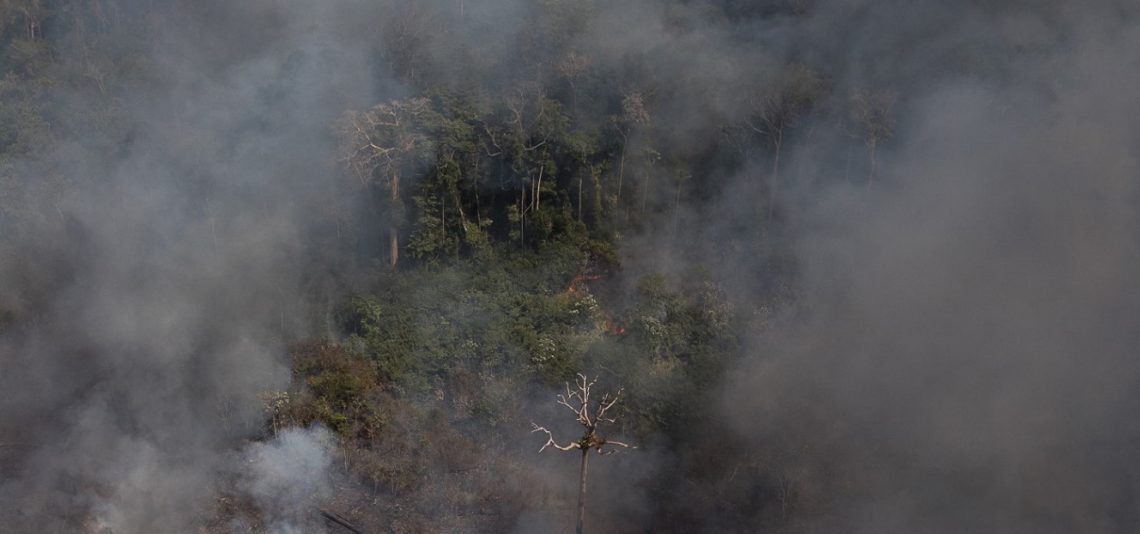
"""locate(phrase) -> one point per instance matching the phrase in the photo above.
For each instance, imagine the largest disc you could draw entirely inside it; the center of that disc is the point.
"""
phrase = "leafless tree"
(577, 399)
(383, 143)
(872, 117)
(776, 109)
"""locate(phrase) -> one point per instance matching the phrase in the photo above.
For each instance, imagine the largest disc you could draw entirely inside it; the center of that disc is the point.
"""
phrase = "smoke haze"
(947, 347)
(967, 356)
(167, 275)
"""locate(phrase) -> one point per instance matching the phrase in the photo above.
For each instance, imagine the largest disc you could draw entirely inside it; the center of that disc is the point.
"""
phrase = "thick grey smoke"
(967, 357)
(289, 476)
(168, 274)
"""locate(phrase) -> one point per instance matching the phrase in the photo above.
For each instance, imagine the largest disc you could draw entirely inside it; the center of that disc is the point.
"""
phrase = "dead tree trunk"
(582, 492)
(578, 401)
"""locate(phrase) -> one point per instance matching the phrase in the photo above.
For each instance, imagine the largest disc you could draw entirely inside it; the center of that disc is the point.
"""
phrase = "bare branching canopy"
(577, 400)
(385, 143)
(779, 107)
(385, 139)
(872, 114)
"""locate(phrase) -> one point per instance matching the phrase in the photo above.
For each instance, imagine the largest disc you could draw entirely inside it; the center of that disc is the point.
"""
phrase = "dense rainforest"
(851, 266)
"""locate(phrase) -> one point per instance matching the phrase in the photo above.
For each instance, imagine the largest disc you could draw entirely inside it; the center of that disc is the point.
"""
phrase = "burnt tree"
(577, 399)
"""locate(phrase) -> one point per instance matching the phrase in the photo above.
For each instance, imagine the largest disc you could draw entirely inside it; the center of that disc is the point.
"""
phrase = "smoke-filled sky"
(961, 357)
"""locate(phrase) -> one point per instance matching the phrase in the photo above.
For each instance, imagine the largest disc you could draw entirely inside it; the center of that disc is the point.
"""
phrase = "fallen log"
(335, 518)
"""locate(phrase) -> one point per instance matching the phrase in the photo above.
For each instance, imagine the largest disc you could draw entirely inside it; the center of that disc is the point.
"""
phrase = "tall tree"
(633, 115)
(578, 401)
(385, 144)
(778, 108)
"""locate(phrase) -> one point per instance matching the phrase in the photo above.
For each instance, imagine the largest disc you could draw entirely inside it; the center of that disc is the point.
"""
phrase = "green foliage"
(678, 341)
(456, 159)
(508, 317)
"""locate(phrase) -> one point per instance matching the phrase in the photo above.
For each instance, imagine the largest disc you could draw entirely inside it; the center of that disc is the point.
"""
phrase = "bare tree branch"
(494, 141)
(618, 443)
(607, 403)
(550, 440)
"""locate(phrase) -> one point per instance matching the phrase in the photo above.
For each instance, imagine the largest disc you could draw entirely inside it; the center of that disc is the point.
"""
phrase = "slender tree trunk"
(645, 193)
(393, 247)
(393, 230)
(522, 215)
(457, 199)
(597, 204)
(538, 189)
(582, 491)
(478, 209)
(30, 25)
